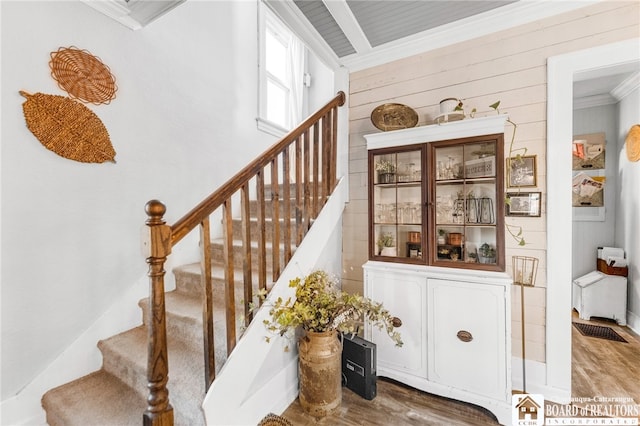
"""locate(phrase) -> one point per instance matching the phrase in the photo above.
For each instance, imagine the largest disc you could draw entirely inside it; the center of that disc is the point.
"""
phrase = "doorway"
(562, 72)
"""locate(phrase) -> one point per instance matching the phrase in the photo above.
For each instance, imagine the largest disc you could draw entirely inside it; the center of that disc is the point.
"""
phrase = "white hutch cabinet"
(454, 316)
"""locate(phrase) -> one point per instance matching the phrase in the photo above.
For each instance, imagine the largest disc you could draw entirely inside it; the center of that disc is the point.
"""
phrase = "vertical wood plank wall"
(509, 66)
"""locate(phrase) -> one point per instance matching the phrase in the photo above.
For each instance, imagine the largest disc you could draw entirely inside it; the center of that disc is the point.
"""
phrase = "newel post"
(157, 246)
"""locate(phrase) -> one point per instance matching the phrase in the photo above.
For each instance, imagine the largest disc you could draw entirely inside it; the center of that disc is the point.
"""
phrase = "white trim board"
(562, 71)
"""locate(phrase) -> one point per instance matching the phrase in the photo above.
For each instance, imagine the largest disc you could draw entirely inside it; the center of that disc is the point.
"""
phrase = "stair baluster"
(315, 155)
(207, 301)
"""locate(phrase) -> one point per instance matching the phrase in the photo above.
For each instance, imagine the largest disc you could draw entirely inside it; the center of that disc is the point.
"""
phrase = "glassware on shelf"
(401, 213)
(390, 213)
(408, 173)
(479, 210)
(444, 209)
(459, 211)
(486, 210)
(415, 213)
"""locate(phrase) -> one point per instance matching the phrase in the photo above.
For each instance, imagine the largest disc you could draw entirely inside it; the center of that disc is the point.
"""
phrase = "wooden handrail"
(307, 156)
(193, 218)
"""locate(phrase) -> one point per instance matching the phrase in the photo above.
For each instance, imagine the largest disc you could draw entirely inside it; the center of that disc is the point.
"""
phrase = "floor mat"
(598, 331)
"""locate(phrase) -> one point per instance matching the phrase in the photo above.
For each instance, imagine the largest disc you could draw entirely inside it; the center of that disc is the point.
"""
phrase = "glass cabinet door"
(465, 203)
(438, 203)
(397, 205)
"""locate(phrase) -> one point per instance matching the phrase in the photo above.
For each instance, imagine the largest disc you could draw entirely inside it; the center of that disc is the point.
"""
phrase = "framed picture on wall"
(524, 204)
(521, 171)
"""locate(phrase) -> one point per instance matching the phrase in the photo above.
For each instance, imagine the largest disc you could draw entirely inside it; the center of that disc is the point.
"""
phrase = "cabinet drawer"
(466, 329)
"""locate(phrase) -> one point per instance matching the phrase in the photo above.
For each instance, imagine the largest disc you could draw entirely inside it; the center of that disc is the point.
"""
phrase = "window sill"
(271, 128)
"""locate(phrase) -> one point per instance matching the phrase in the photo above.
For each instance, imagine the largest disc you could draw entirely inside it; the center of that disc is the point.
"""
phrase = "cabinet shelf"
(449, 181)
(411, 184)
(467, 181)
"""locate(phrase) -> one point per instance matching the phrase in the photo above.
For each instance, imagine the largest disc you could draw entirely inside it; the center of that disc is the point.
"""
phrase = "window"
(281, 76)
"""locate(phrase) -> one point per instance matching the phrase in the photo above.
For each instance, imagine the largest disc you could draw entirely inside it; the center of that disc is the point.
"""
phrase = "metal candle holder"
(525, 269)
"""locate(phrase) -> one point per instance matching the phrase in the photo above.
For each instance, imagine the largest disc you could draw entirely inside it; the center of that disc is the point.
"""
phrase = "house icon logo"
(528, 410)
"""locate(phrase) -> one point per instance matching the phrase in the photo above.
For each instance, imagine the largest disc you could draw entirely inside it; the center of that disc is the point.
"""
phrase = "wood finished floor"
(395, 404)
(603, 367)
(600, 368)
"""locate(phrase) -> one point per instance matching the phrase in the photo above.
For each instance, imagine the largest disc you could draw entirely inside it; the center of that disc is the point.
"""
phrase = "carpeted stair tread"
(217, 249)
(188, 280)
(125, 356)
(217, 273)
(96, 399)
(237, 243)
(184, 320)
(183, 307)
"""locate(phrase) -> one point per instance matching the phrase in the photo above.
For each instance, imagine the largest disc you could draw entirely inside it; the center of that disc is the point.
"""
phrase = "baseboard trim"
(536, 376)
(633, 322)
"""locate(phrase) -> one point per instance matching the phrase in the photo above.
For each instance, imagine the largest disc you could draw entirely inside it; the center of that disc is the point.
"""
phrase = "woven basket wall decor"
(632, 142)
(82, 75)
(67, 128)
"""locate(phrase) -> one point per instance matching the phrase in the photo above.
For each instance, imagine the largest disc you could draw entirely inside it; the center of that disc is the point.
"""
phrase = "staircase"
(131, 387)
(116, 394)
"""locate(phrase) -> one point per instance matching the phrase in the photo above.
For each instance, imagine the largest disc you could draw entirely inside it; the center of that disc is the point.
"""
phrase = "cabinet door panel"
(404, 297)
(467, 336)
(396, 205)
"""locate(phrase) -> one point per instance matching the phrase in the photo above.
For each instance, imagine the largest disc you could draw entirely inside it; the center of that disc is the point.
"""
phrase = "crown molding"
(134, 14)
(626, 87)
(618, 93)
(594, 101)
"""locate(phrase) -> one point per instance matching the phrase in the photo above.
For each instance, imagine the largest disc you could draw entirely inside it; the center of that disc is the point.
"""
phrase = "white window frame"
(268, 21)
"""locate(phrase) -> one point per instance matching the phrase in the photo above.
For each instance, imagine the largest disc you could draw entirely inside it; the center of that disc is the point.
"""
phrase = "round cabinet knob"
(465, 336)
(397, 322)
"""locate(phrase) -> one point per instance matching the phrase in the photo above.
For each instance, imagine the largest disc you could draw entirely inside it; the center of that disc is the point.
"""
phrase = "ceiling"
(358, 34)
(354, 26)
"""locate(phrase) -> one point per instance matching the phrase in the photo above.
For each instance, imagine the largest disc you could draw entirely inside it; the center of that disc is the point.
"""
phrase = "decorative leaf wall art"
(82, 75)
(67, 128)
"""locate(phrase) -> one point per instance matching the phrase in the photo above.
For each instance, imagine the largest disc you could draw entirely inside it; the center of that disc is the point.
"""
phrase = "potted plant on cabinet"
(386, 171)
(486, 254)
(323, 311)
(386, 245)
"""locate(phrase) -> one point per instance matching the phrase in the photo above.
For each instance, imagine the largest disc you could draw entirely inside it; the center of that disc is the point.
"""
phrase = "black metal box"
(359, 366)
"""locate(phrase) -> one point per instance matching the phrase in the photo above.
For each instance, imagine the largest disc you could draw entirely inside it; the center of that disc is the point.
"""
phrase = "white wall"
(628, 217)
(182, 123)
(510, 66)
(589, 235)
